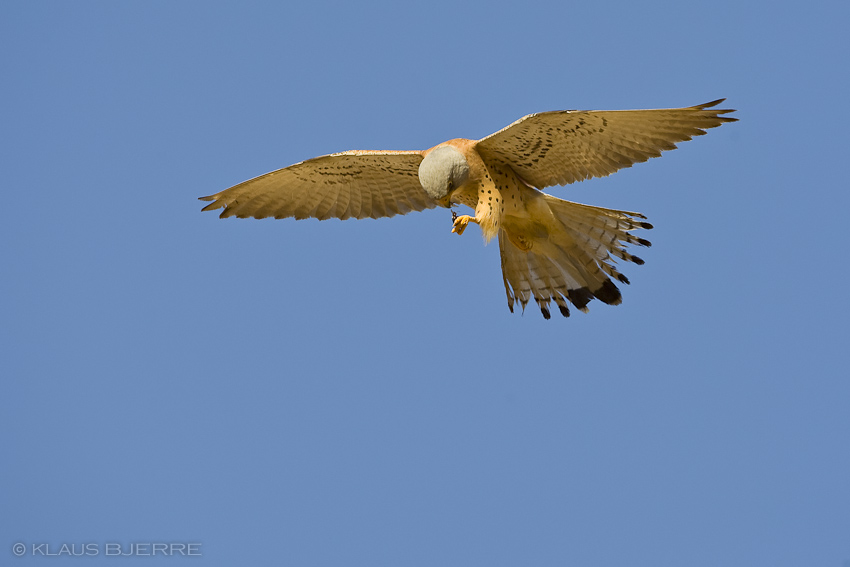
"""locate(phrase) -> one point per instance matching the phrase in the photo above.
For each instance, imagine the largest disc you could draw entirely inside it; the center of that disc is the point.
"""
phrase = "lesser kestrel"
(551, 249)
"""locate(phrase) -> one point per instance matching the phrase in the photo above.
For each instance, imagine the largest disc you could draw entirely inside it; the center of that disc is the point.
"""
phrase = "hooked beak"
(445, 202)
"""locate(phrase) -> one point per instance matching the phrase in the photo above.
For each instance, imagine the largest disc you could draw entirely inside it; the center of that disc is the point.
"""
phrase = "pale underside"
(552, 250)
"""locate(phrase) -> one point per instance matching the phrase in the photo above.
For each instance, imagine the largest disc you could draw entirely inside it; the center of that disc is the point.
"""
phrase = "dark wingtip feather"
(718, 111)
(212, 206)
(709, 104)
(564, 310)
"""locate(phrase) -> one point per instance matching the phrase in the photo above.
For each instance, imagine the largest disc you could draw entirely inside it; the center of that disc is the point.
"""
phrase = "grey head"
(442, 171)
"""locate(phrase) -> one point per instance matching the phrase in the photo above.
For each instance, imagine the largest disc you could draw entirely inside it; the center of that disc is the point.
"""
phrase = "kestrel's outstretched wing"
(355, 184)
(557, 148)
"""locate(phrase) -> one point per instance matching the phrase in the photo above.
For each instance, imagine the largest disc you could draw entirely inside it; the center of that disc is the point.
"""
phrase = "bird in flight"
(551, 249)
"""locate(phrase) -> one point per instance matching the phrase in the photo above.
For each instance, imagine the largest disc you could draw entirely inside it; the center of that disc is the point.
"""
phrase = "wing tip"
(705, 105)
(216, 203)
(717, 111)
(212, 206)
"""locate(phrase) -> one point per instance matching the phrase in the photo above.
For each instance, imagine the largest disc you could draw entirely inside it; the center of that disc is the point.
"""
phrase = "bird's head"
(442, 171)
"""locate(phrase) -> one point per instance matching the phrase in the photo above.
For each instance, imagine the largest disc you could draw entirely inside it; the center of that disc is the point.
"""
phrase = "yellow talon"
(461, 223)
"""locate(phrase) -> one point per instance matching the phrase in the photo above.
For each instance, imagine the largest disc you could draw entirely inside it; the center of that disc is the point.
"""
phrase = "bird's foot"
(460, 222)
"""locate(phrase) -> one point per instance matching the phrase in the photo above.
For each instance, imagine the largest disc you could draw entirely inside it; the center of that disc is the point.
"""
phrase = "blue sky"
(357, 393)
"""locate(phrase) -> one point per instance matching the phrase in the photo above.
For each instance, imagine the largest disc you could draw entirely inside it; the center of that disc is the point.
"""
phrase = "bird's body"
(483, 188)
(551, 249)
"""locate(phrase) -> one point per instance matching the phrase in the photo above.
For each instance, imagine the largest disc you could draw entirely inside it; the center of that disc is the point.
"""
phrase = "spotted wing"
(355, 184)
(561, 147)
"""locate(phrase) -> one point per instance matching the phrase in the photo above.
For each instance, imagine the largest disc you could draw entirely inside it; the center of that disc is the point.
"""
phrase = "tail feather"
(575, 262)
(532, 275)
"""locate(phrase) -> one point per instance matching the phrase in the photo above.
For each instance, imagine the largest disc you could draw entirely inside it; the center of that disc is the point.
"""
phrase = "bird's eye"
(451, 185)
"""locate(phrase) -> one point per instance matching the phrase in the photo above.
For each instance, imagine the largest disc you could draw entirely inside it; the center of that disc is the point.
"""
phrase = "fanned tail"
(575, 262)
